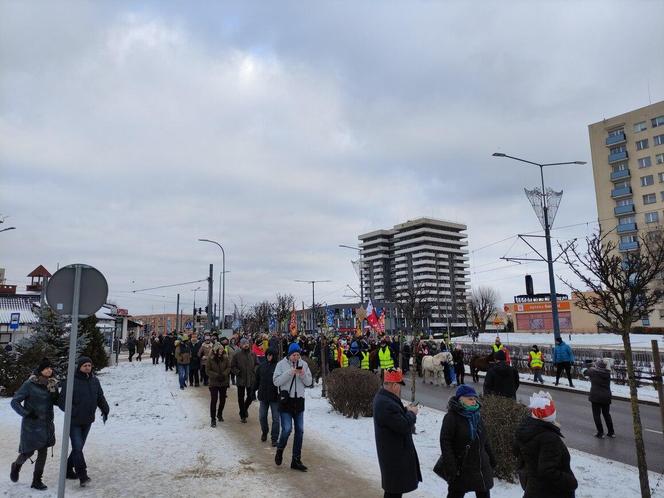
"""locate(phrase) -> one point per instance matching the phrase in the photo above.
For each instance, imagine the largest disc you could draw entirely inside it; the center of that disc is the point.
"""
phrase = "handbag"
(290, 405)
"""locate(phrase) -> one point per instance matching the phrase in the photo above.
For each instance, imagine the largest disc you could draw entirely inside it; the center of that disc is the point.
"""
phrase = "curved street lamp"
(222, 304)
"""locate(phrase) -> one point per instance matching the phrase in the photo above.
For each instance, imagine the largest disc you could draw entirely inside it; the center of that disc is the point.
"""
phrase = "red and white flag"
(372, 317)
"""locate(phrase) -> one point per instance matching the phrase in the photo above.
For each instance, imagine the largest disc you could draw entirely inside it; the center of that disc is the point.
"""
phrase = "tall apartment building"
(426, 253)
(628, 168)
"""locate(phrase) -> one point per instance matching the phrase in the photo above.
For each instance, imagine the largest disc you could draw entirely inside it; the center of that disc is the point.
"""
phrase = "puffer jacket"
(183, 353)
(34, 402)
(87, 397)
(218, 370)
(600, 385)
(263, 383)
(540, 449)
(243, 366)
(501, 380)
(563, 353)
(468, 464)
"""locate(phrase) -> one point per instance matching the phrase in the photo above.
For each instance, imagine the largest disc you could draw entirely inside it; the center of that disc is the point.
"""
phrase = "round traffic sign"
(93, 290)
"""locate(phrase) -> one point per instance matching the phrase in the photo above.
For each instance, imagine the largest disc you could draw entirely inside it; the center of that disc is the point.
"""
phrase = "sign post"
(65, 298)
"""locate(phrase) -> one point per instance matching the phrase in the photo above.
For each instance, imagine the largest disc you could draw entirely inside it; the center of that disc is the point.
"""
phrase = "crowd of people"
(275, 371)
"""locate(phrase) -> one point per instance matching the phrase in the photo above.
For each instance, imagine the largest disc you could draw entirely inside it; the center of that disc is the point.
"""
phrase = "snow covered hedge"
(351, 391)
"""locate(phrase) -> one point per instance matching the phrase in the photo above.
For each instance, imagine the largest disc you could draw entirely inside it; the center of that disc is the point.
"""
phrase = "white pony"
(432, 366)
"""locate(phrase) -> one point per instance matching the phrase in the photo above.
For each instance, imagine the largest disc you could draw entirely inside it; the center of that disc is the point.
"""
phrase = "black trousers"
(392, 495)
(155, 360)
(138, 356)
(244, 399)
(217, 394)
(604, 411)
(451, 493)
(194, 379)
(132, 352)
(39, 464)
(567, 366)
(204, 376)
(460, 371)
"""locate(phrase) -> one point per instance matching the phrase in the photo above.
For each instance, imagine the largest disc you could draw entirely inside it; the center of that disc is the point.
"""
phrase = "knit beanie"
(465, 390)
(500, 355)
(542, 407)
(294, 348)
(45, 363)
(82, 360)
(354, 347)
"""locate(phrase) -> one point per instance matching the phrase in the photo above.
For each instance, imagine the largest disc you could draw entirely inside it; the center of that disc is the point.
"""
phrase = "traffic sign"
(189, 325)
(15, 320)
(93, 290)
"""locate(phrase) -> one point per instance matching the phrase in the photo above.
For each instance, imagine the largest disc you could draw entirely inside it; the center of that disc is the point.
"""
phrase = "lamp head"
(498, 154)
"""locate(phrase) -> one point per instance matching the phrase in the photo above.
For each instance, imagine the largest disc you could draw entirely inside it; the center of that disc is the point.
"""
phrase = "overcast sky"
(282, 129)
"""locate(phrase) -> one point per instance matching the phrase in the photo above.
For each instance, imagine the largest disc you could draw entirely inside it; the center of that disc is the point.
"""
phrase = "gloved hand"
(104, 417)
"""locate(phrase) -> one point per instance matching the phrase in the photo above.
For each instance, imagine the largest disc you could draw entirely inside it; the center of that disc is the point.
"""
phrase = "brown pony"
(479, 364)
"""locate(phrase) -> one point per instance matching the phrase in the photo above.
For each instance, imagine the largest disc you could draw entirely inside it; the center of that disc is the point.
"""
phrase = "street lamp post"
(222, 304)
(547, 236)
(359, 250)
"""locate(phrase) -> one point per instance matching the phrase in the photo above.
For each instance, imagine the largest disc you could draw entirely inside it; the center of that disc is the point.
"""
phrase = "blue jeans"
(183, 374)
(262, 417)
(287, 422)
(78, 434)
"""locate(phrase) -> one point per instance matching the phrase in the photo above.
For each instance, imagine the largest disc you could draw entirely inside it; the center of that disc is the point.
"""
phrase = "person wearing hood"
(268, 396)
(183, 359)
(218, 368)
(467, 460)
(563, 359)
(243, 364)
(545, 470)
(34, 403)
(600, 397)
(501, 379)
(536, 363)
(86, 398)
(354, 356)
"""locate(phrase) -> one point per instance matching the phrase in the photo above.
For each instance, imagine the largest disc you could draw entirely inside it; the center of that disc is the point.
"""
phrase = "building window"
(621, 166)
(639, 126)
(645, 322)
(617, 133)
(642, 144)
(626, 220)
(661, 194)
(624, 184)
(659, 158)
(644, 162)
(652, 217)
(658, 140)
(649, 199)
(616, 150)
(658, 121)
(646, 181)
(626, 239)
(624, 202)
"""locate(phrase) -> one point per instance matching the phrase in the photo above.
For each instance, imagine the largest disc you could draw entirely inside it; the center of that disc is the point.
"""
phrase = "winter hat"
(354, 347)
(45, 363)
(465, 390)
(542, 407)
(82, 360)
(600, 363)
(270, 352)
(293, 348)
(500, 355)
(244, 341)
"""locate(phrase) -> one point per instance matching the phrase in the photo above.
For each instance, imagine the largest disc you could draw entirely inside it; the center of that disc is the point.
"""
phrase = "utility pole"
(313, 320)
(177, 315)
(210, 314)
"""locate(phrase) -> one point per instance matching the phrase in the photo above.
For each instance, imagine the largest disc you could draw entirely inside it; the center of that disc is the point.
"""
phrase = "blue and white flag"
(330, 317)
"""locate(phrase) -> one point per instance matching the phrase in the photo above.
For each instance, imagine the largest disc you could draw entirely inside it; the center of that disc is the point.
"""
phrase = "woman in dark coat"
(544, 458)
(600, 397)
(268, 396)
(218, 369)
(468, 460)
(393, 428)
(34, 402)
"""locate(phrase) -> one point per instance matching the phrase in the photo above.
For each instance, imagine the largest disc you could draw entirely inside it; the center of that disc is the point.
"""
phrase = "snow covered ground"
(639, 341)
(158, 443)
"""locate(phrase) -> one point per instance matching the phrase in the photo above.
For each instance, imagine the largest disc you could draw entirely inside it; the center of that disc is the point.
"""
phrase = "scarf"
(472, 415)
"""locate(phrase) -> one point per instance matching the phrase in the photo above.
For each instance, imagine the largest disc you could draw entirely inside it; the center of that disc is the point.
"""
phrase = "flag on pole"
(381, 322)
(372, 317)
(358, 331)
(293, 322)
(330, 317)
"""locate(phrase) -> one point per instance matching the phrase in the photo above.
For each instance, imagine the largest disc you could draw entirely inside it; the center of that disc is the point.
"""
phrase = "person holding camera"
(34, 402)
(291, 376)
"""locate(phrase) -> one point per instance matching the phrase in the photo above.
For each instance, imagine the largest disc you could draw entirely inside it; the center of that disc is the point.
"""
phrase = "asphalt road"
(575, 417)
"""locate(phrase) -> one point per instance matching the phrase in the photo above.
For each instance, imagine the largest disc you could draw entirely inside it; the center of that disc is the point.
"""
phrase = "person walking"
(600, 397)
(131, 346)
(268, 396)
(393, 429)
(385, 359)
(291, 376)
(195, 363)
(155, 349)
(183, 358)
(459, 367)
(545, 470)
(167, 348)
(354, 356)
(563, 359)
(140, 348)
(34, 402)
(467, 460)
(243, 365)
(501, 379)
(203, 353)
(87, 396)
(218, 368)
(536, 363)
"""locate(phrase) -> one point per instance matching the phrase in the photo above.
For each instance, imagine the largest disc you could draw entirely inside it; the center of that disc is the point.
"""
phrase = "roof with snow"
(40, 271)
(17, 304)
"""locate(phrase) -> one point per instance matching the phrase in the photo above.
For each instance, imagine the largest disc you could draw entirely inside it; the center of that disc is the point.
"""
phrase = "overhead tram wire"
(170, 285)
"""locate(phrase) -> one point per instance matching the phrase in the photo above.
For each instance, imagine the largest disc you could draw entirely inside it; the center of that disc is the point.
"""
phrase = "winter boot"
(84, 479)
(38, 484)
(71, 474)
(213, 423)
(13, 475)
(274, 444)
(264, 437)
(296, 464)
(220, 417)
(279, 457)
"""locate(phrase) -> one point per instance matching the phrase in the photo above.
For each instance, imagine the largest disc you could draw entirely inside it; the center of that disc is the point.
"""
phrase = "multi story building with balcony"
(628, 169)
(426, 254)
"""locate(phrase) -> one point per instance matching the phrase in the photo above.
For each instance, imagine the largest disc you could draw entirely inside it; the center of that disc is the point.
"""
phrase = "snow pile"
(639, 341)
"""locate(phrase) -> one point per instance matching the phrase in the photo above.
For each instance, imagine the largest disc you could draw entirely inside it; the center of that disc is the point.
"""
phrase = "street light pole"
(222, 305)
(359, 250)
(547, 236)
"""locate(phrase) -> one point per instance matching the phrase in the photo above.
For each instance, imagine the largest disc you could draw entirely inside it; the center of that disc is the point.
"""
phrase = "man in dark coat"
(393, 428)
(34, 402)
(168, 348)
(131, 346)
(87, 397)
(501, 379)
(243, 365)
(543, 456)
(467, 458)
(600, 397)
(268, 396)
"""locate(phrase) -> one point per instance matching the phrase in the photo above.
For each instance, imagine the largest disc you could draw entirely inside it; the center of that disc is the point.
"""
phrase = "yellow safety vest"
(536, 359)
(385, 358)
(365, 361)
(344, 360)
(496, 348)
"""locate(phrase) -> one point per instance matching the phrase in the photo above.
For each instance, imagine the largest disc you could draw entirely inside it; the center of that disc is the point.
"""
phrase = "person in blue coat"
(87, 397)
(393, 428)
(563, 359)
(34, 402)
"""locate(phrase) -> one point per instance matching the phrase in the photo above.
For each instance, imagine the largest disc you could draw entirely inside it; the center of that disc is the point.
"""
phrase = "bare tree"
(283, 308)
(482, 306)
(258, 319)
(623, 289)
